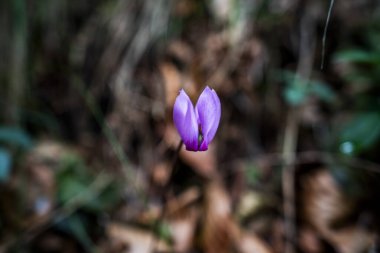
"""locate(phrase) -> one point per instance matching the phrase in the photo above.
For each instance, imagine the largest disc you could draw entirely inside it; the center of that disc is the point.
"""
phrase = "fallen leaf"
(171, 136)
(172, 80)
(250, 243)
(138, 240)
(323, 202)
(249, 203)
(160, 173)
(309, 241)
(218, 228)
(184, 199)
(182, 226)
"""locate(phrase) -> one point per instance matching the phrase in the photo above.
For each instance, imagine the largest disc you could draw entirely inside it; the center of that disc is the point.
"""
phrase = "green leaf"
(78, 229)
(360, 133)
(252, 174)
(298, 89)
(163, 231)
(5, 164)
(15, 136)
(78, 226)
(107, 198)
(70, 188)
(358, 78)
(295, 94)
(72, 178)
(74, 181)
(358, 56)
(373, 36)
(295, 91)
(322, 91)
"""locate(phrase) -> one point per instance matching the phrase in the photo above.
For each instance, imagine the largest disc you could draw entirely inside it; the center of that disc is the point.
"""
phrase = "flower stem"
(166, 193)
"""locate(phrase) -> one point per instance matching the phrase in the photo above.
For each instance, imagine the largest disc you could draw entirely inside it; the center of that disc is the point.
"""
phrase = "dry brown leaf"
(218, 230)
(177, 204)
(323, 202)
(309, 241)
(172, 80)
(182, 227)
(160, 173)
(138, 240)
(249, 203)
(351, 239)
(220, 233)
(171, 136)
(250, 243)
(183, 200)
(48, 152)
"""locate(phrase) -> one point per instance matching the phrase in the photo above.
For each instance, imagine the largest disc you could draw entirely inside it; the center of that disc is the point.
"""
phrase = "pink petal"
(185, 121)
(209, 111)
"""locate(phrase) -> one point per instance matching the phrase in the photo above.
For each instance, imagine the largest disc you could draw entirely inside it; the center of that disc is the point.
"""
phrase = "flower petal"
(209, 111)
(185, 121)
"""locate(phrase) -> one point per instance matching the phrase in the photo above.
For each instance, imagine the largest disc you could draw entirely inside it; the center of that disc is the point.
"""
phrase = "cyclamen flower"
(197, 126)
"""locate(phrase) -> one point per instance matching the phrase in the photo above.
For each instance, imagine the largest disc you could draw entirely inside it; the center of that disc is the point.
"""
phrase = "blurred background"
(89, 158)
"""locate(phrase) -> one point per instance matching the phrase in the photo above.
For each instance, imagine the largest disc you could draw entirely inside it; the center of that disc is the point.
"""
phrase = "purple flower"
(197, 126)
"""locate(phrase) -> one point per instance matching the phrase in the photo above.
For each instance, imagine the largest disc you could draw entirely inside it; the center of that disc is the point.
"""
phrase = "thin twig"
(304, 66)
(288, 179)
(325, 33)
